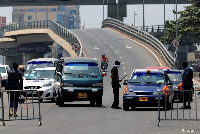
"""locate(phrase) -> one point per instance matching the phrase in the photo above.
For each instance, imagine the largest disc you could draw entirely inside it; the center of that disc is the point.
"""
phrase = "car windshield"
(148, 78)
(175, 77)
(81, 68)
(2, 70)
(41, 75)
(37, 64)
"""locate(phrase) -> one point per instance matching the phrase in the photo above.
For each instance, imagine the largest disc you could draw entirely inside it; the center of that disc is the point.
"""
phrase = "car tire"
(60, 100)
(99, 102)
(22, 101)
(125, 107)
(92, 103)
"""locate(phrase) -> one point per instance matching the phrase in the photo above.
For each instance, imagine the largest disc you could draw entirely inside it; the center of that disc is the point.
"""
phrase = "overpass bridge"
(44, 35)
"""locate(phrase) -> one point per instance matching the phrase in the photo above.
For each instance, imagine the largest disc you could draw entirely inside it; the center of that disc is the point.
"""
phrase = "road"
(79, 117)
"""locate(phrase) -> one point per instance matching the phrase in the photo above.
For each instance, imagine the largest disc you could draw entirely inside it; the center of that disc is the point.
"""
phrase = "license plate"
(31, 92)
(82, 95)
(143, 98)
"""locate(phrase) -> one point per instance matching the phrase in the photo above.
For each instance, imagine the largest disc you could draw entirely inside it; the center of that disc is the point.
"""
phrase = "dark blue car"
(143, 88)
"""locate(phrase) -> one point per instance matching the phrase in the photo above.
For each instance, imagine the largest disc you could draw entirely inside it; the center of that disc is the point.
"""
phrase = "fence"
(21, 102)
(174, 112)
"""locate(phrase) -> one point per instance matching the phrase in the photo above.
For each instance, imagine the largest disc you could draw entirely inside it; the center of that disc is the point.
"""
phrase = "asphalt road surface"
(80, 118)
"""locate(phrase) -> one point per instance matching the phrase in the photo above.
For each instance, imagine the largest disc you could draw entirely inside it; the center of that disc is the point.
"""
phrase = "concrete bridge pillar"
(117, 11)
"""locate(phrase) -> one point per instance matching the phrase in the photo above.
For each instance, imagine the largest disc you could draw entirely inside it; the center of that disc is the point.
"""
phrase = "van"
(4, 70)
(39, 63)
(80, 80)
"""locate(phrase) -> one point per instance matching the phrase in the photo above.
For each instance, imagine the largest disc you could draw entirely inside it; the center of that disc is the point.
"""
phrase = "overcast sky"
(92, 16)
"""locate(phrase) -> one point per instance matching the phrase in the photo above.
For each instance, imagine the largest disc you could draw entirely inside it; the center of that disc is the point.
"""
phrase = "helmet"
(103, 55)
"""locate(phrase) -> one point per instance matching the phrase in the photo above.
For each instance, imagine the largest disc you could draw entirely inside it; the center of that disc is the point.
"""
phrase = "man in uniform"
(115, 85)
(15, 82)
(187, 84)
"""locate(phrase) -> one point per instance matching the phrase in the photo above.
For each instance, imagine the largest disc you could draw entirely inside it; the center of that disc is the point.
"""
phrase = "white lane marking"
(83, 30)
(120, 57)
(128, 47)
(122, 62)
(92, 35)
(141, 45)
(104, 42)
(125, 73)
(95, 47)
(97, 38)
(111, 46)
(116, 52)
(124, 68)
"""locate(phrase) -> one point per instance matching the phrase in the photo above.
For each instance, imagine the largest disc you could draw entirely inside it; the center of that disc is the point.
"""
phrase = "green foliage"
(189, 21)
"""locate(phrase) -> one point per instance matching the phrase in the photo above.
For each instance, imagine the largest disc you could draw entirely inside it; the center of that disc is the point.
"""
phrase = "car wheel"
(99, 102)
(60, 100)
(125, 107)
(22, 101)
(92, 103)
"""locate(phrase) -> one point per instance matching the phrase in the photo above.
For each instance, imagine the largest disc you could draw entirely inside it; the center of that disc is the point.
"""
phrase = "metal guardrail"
(141, 35)
(177, 113)
(55, 27)
(154, 28)
(21, 116)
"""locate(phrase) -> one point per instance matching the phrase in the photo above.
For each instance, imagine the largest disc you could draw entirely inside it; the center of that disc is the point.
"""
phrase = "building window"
(60, 8)
(29, 17)
(42, 10)
(73, 11)
(31, 10)
(53, 9)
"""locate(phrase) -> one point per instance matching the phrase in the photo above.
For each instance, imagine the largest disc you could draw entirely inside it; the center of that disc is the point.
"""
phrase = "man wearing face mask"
(115, 85)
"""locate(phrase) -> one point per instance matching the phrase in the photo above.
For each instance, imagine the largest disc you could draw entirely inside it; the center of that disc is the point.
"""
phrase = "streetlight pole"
(175, 55)
(103, 9)
(164, 24)
(134, 18)
(107, 8)
(117, 9)
(143, 16)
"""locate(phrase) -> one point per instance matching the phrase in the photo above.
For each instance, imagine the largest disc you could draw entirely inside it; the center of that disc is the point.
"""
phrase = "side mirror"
(125, 82)
(104, 74)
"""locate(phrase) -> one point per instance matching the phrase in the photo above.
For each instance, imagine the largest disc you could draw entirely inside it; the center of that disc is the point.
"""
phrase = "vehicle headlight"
(129, 93)
(3, 77)
(175, 87)
(66, 85)
(97, 85)
(157, 93)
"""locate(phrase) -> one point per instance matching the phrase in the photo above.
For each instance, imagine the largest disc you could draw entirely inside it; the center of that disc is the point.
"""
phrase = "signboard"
(2, 22)
(174, 43)
(76, 46)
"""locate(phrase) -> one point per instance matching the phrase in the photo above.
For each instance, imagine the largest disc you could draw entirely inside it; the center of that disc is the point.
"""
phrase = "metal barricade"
(175, 112)
(23, 104)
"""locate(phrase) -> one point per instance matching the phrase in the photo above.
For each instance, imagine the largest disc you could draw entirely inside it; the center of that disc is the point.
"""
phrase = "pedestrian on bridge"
(15, 82)
(187, 84)
(115, 85)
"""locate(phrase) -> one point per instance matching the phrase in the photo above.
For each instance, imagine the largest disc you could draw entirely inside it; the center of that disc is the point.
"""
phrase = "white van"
(4, 70)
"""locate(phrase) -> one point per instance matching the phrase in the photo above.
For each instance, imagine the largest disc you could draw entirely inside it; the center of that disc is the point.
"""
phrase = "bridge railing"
(141, 35)
(55, 27)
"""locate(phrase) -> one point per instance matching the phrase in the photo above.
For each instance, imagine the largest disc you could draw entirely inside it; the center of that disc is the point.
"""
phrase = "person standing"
(187, 84)
(15, 82)
(115, 85)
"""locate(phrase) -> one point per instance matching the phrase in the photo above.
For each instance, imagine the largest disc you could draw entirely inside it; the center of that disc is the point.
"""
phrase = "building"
(67, 16)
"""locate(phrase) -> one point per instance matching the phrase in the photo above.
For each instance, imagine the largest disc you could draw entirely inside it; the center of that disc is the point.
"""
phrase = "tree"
(189, 21)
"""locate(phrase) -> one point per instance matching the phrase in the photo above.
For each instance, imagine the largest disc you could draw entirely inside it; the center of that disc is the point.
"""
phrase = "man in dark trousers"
(187, 84)
(115, 85)
(15, 82)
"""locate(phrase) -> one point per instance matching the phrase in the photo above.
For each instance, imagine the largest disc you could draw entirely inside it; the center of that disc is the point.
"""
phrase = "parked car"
(4, 70)
(80, 80)
(143, 88)
(41, 80)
